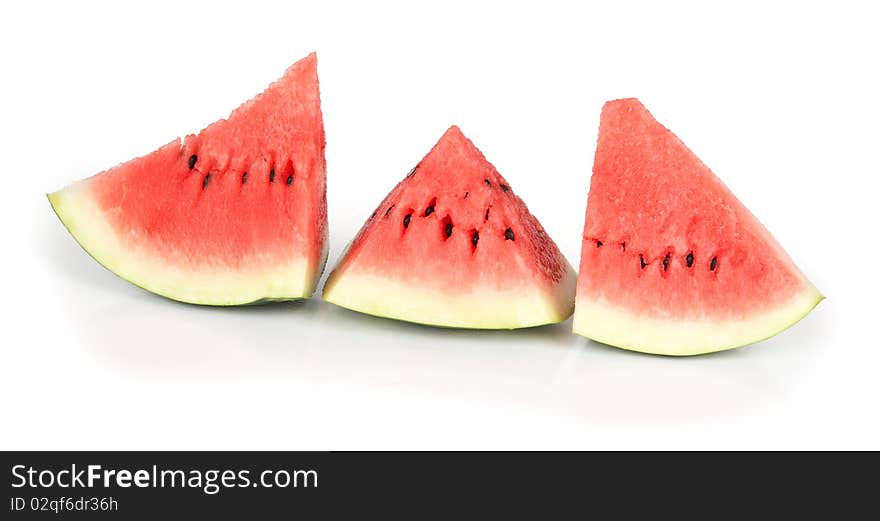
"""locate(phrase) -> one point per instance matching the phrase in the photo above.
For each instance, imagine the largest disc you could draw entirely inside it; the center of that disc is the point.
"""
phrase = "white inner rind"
(610, 324)
(198, 284)
(482, 308)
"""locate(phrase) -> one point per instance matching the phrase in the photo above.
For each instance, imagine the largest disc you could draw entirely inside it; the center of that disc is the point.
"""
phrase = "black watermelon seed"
(689, 259)
(205, 181)
(388, 211)
(244, 178)
(642, 261)
(466, 194)
(272, 175)
(429, 210)
(508, 234)
(487, 214)
(488, 183)
(475, 238)
(448, 230)
(598, 244)
(406, 219)
(623, 246)
(289, 180)
(505, 188)
(412, 172)
(666, 262)
(713, 264)
(192, 161)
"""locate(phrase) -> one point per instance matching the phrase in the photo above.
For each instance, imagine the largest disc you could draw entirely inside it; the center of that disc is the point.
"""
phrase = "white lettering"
(94, 474)
(15, 474)
(141, 478)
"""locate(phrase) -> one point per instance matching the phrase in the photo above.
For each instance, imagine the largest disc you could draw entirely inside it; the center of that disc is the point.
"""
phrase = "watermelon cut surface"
(235, 214)
(671, 262)
(453, 246)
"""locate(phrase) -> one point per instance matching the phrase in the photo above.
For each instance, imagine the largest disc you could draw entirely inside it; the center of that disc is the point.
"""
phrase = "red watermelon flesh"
(671, 261)
(232, 215)
(452, 245)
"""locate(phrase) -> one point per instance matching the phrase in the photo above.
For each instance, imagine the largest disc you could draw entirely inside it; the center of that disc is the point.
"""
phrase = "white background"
(780, 100)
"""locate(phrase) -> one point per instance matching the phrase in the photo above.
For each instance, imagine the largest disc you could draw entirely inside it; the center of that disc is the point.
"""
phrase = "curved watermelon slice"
(453, 246)
(233, 215)
(671, 262)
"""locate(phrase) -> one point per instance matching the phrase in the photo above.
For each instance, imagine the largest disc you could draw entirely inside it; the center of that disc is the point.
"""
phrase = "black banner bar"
(324, 485)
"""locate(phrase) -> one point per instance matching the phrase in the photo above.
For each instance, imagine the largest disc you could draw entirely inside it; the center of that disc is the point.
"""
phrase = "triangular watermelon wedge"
(453, 246)
(672, 263)
(233, 215)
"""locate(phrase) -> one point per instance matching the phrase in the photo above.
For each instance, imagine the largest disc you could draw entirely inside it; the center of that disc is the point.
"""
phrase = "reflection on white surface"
(312, 375)
(540, 369)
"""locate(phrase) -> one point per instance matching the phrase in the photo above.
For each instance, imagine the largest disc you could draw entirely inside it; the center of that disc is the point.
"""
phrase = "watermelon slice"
(233, 215)
(453, 246)
(671, 262)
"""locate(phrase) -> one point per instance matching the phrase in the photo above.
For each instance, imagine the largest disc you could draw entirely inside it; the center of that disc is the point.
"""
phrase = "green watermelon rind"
(71, 206)
(482, 309)
(607, 327)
